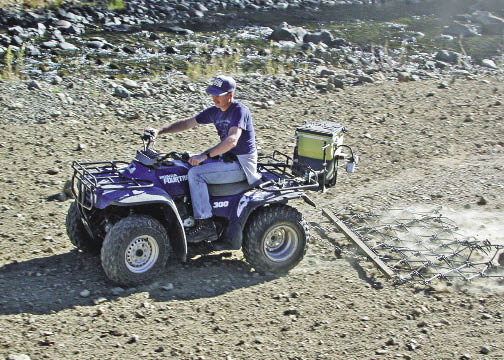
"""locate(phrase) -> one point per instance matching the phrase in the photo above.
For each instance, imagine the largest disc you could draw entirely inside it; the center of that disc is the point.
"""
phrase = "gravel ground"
(421, 144)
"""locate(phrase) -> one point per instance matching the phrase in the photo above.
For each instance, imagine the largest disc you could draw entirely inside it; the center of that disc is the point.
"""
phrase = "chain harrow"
(413, 246)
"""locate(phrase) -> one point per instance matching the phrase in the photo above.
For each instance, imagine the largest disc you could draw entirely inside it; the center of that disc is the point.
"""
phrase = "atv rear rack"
(101, 175)
(277, 169)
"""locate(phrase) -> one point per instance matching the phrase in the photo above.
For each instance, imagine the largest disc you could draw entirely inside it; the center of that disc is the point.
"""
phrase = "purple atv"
(136, 215)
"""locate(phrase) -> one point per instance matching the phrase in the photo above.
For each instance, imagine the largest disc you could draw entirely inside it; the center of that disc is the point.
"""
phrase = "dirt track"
(420, 144)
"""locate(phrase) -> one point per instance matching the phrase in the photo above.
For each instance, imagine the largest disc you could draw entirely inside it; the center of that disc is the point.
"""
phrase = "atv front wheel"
(135, 250)
(77, 232)
(275, 239)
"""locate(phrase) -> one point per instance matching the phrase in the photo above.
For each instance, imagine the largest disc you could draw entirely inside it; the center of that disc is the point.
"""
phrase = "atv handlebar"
(148, 138)
(177, 156)
(149, 134)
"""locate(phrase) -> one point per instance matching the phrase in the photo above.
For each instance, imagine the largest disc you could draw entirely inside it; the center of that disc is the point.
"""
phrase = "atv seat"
(229, 189)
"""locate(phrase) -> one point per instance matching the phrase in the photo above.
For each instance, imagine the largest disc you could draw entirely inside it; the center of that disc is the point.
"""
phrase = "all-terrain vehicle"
(136, 214)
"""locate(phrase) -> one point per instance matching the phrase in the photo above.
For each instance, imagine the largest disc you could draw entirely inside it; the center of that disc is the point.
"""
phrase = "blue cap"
(221, 86)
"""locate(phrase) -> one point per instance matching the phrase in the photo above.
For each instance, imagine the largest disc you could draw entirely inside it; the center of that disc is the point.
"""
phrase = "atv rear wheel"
(77, 232)
(135, 250)
(275, 239)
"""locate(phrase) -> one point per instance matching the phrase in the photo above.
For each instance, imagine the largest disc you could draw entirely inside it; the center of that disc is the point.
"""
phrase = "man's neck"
(226, 107)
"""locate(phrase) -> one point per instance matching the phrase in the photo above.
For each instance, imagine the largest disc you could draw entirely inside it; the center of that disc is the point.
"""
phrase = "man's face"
(222, 102)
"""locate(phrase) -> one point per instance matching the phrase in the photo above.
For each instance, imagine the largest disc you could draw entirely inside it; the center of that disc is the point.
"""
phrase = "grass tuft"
(13, 63)
(115, 5)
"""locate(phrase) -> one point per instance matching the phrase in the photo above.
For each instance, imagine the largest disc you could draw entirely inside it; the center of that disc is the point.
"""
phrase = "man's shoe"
(204, 230)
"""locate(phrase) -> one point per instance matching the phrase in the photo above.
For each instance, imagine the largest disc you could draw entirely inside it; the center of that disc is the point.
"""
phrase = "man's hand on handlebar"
(197, 159)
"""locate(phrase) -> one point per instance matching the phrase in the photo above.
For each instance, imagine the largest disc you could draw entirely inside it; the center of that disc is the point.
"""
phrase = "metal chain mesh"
(418, 246)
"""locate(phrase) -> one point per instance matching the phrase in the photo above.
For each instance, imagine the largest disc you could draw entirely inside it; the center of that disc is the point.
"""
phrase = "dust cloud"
(482, 225)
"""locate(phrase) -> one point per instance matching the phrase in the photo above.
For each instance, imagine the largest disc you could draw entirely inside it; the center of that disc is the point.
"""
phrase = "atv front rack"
(101, 175)
(278, 170)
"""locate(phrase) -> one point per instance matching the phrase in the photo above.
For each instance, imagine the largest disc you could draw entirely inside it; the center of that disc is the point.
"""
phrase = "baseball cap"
(221, 85)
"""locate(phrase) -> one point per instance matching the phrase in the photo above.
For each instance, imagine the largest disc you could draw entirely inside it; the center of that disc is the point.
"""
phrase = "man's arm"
(224, 146)
(180, 125)
(228, 143)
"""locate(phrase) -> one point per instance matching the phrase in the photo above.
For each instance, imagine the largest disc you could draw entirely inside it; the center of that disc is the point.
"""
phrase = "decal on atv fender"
(220, 204)
(245, 199)
(173, 178)
(252, 196)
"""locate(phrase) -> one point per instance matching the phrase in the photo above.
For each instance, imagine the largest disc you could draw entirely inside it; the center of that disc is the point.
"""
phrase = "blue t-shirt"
(238, 115)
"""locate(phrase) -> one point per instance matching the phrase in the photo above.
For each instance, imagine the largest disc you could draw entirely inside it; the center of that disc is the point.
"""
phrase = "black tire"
(275, 239)
(77, 232)
(135, 250)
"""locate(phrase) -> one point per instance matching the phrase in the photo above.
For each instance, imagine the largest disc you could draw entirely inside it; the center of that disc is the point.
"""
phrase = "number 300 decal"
(220, 204)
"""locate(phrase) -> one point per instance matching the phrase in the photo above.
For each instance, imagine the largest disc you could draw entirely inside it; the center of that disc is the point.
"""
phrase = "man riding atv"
(140, 214)
(232, 160)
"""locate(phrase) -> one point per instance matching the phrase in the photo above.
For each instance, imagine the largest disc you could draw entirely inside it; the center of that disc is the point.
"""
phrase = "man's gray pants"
(218, 172)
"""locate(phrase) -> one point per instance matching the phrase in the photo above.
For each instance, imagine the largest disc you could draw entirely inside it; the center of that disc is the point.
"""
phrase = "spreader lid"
(325, 128)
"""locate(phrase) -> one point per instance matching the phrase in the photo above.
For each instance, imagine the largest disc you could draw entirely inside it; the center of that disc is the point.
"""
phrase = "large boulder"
(450, 57)
(339, 42)
(67, 47)
(122, 92)
(5, 40)
(489, 64)
(16, 30)
(31, 50)
(286, 33)
(319, 36)
(41, 29)
(51, 44)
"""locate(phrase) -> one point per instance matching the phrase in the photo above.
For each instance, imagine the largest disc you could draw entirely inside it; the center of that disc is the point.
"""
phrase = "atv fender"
(171, 215)
(251, 201)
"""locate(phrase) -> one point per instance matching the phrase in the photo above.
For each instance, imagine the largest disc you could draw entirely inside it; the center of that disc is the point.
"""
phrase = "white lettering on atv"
(242, 205)
(220, 204)
(173, 178)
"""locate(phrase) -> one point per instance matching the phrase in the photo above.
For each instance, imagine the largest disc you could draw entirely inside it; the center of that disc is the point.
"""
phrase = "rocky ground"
(421, 144)
(136, 39)
(428, 133)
